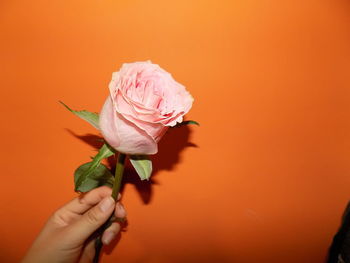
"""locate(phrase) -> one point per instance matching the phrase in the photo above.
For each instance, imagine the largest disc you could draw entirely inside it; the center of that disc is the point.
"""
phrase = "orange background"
(265, 178)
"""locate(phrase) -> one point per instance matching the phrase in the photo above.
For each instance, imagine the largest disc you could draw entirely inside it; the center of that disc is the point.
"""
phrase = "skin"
(66, 237)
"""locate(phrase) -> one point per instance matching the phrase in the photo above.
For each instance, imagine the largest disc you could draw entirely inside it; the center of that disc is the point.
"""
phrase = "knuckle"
(92, 217)
(59, 218)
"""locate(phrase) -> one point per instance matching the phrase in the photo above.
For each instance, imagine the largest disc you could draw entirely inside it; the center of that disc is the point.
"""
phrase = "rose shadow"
(168, 156)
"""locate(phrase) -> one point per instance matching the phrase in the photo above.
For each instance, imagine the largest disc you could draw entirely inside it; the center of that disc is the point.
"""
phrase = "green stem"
(119, 169)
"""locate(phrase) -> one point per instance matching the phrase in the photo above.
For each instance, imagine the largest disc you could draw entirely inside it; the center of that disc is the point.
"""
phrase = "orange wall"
(270, 176)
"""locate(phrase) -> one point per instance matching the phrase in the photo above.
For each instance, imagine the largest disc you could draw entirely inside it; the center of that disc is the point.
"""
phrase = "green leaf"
(100, 176)
(142, 165)
(90, 117)
(191, 122)
(89, 173)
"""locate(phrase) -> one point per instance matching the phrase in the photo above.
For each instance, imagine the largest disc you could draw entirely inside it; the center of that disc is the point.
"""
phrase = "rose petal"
(107, 124)
(135, 140)
(114, 126)
(155, 130)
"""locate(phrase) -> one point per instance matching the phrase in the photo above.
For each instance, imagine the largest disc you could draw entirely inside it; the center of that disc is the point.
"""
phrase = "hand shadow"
(169, 154)
(339, 250)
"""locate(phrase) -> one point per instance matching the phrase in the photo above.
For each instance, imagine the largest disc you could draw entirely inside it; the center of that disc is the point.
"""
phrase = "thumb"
(80, 230)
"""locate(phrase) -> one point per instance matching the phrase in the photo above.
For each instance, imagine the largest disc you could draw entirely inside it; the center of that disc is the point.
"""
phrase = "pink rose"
(144, 101)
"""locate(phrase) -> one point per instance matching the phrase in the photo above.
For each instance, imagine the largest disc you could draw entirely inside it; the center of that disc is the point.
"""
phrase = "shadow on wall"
(339, 251)
(169, 154)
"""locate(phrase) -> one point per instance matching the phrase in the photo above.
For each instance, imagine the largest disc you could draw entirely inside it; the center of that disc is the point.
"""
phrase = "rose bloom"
(144, 102)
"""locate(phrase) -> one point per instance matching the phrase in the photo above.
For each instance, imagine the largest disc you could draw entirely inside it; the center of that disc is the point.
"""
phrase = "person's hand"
(66, 237)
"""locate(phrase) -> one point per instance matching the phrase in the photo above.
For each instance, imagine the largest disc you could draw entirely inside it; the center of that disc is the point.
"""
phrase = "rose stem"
(119, 169)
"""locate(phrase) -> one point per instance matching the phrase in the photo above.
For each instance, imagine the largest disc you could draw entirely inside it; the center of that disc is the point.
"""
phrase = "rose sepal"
(190, 122)
(90, 117)
(142, 165)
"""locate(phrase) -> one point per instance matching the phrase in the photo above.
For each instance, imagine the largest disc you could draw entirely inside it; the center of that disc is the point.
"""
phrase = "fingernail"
(108, 237)
(106, 204)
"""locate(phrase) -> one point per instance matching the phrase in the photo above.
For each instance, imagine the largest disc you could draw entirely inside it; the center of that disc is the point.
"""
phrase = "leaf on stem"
(90, 171)
(100, 176)
(191, 122)
(142, 165)
(90, 117)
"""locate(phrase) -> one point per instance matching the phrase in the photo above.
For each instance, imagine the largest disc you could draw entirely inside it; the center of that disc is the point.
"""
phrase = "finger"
(89, 222)
(84, 202)
(81, 204)
(88, 253)
(119, 211)
(110, 233)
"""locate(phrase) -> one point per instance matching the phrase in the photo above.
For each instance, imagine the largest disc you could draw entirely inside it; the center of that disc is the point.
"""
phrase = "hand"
(66, 237)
